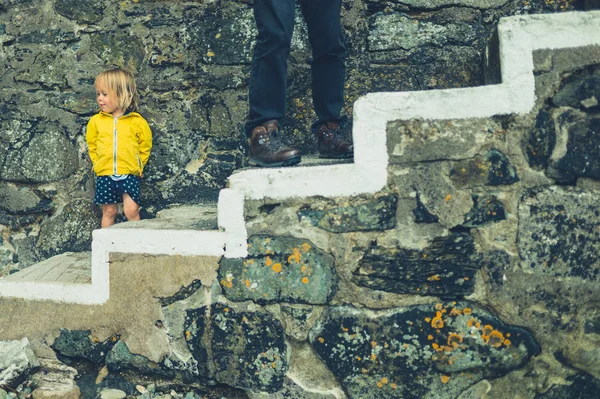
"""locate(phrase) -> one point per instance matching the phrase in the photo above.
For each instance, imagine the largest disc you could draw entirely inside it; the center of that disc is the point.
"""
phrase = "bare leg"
(131, 208)
(109, 213)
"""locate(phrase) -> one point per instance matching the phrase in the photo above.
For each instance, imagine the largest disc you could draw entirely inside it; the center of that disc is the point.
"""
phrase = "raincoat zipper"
(115, 148)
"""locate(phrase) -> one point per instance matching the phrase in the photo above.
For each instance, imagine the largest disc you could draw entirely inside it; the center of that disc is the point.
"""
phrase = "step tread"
(69, 267)
(179, 217)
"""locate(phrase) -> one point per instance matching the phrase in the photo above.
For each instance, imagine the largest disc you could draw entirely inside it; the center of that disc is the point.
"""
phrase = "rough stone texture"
(486, 209)
(17, 361)
(418, 351)
(82, 344)
(379, 214)
(446, 267)
(279, 269)
(70, 230)
(244, 349)
(493, 169)
(558, 233)
(119, 359)
(56, 381)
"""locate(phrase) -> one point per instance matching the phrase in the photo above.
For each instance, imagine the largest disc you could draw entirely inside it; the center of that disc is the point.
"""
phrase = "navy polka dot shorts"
(109, 191)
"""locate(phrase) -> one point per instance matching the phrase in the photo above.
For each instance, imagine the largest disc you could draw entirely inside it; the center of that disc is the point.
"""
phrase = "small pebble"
(141, 388)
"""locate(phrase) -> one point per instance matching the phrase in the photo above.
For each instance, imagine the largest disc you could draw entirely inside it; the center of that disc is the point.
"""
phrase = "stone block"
(279, 269)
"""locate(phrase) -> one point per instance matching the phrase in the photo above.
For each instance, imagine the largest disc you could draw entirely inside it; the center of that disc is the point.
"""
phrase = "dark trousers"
(275, 23)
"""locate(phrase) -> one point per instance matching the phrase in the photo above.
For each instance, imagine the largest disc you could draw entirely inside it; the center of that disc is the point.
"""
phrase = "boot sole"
(288, 162)
(342, 156)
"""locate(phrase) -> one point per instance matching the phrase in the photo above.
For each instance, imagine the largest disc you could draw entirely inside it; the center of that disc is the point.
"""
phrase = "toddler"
(119, 142)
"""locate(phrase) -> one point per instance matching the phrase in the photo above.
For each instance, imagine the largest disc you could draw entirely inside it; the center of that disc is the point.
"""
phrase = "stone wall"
(473, 274)
(191, 59)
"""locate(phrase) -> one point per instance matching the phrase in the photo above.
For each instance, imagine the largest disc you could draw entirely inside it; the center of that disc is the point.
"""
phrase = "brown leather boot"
(330, 144)
(266, 148)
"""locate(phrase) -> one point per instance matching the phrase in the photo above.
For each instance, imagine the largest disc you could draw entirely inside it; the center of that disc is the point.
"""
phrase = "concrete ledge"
(518, 37)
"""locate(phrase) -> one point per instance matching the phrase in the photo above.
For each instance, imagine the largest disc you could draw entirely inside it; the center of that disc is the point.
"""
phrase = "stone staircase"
(221, 231)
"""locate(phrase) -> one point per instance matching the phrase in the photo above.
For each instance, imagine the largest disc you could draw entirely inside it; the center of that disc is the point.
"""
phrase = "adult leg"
(267, 92)
(109, 213)
(131, 208)
(328, 66)
(328, 74)
(267, 89)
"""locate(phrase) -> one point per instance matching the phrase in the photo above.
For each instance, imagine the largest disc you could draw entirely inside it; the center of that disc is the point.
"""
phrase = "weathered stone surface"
(119, 49)
(15, 199)
(581, 158)
(431, 184)
(55, 381)
(581, 93)
(244, 349)
(539, 143)
(392, 32)
(378, 214)
(558, 233)
(437, 4)
(119, 358)
(493, 169)
(419, 351)
(82, 12)
(486, 209)
(422, 215)
(428, 140)
(81, 344)
(298, 319)
(44, 158)
(17, 361)
(70, 230)
(279, 269)
(581, 386)
(445, 268)
(291, 391)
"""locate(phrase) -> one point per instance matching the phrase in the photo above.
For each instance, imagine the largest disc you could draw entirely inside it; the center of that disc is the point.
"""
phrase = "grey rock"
(557, 233)
(418, 351)
(69, 230)
(493, 169)
(279, 269)
(15, 199)
(80, 344)
(445, 268)
(486, 209)
(576, 93)
(83, 13)
(291, 390)
(17, 361)
(243, 349)
(378, 214)
(580, 159)
(120, 358)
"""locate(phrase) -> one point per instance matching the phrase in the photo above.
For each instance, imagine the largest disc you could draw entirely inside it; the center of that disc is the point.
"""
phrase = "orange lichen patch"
(437, 322)
(227, 283)
(427, 319)
(344, 329)
(466, 278)
(384, 380)
(321, 339)
(433, 278)
(248, 283)
(439, 306)
(210, 53)
(226, 310)
(379, 384)
(473, 323)
(496, 339)
(435, 346)
(305, 280)
(487, 330)
(386, 345)
(455, 312)
(507, 342)
(373, 357)
(188, 335)
(364, 370)
(358, 358)
(430, 337)
(507, 335)
(448, 198)
(295, 256)
(373, 344)
(445, 379)
(393, 385)
(454, 340)
(467, 311)
(405, 345)
(277, 268)
(305, 247)
(303, 268)
(268, 261)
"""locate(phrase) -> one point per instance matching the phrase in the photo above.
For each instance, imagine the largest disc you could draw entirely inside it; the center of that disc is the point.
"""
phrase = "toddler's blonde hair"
(121, 83)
